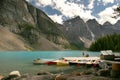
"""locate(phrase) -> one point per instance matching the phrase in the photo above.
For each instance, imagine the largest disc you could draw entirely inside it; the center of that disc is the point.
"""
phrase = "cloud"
(106, 15)
(105, 2)
(43, 2)
(108, 1)
(68, 8)
(91, 4)
(56, 18)
(86, 9)
(86, 15)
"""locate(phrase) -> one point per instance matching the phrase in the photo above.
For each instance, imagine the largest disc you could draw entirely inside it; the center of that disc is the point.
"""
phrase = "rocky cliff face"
(35, 28)
(117, 25)
(10, 41)
(78, 31)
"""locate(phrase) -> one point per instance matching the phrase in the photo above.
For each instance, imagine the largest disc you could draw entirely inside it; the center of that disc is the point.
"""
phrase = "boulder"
(1, 77)
(75, 73)
(37, 77)
(44, 73)
(103, 72)
(15, 73)
(62, 76)
(43, 77)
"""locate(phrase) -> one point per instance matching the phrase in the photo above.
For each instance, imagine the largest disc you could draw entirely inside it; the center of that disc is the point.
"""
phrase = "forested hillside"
(109, 42)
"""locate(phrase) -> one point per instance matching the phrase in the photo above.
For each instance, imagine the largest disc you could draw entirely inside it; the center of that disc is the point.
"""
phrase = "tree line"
(109, 42)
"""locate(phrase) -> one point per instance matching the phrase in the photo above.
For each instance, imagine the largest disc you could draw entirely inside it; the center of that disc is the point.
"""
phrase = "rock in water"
(104, 72)
(17, 73)
(14, 75)
(1, 77)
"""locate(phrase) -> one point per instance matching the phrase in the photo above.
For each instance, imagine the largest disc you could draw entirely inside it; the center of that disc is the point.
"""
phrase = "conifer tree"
(117, 12)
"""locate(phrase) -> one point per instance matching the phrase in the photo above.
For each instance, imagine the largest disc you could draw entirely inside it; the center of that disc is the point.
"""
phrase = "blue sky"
(60, 10)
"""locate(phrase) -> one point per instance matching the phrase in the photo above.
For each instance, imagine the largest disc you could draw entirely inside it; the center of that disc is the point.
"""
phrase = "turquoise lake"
(23, 60)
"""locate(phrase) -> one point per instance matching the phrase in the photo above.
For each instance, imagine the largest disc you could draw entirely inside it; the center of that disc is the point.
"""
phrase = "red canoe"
(51, 63)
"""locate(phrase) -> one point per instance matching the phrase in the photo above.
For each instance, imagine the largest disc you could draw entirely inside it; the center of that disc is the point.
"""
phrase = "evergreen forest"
(109, 42)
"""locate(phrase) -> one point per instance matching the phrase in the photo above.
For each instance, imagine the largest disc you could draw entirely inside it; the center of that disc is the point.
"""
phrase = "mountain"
(24, 27)
(75, 30)
(117, 25)
(10, 41)
(94, 28)
(78, 31)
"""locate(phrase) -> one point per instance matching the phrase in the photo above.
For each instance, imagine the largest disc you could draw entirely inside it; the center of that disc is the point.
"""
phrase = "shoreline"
(85, 74)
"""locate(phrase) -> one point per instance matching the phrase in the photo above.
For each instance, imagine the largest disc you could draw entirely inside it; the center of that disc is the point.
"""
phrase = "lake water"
(23, 60)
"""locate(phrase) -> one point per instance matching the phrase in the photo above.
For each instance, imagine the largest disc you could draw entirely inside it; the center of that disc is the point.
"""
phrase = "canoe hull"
(62, 64)
(73, 63)
(51, 63)
(37, 63)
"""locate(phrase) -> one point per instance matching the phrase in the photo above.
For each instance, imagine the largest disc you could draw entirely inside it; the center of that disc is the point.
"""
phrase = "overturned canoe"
(38, 62)
(73, 63)
(51, 63)
(62, 63)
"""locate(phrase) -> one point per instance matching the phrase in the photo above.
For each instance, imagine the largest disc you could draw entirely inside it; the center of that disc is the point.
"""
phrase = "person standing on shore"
(83, 54)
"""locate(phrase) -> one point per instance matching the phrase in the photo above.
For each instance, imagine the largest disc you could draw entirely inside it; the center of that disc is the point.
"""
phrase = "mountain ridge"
(36, 31)
(87, 32)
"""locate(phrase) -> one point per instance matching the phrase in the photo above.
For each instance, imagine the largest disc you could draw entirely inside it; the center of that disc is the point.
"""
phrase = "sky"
(61, 10)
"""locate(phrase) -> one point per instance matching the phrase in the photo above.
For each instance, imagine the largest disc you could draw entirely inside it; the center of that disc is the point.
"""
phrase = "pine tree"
(117, 12)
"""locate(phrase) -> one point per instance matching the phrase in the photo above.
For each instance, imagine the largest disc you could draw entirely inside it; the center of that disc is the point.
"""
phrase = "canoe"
(38, 62)
(89, 64)
(96, 63)
(62, 63)
(73, 63)
(51, 63)
(78, 63)
(81, 62)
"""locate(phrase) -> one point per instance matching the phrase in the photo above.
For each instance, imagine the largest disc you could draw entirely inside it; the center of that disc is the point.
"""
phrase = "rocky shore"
(86, 74)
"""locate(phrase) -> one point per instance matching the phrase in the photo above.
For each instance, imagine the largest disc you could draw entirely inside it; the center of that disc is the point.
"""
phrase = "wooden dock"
(112, 62)
(81, 58)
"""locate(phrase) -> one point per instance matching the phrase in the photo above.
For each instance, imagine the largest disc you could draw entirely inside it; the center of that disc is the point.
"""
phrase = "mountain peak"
(73, 19)
(107, 23)
(92, 21)
(118, 22)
